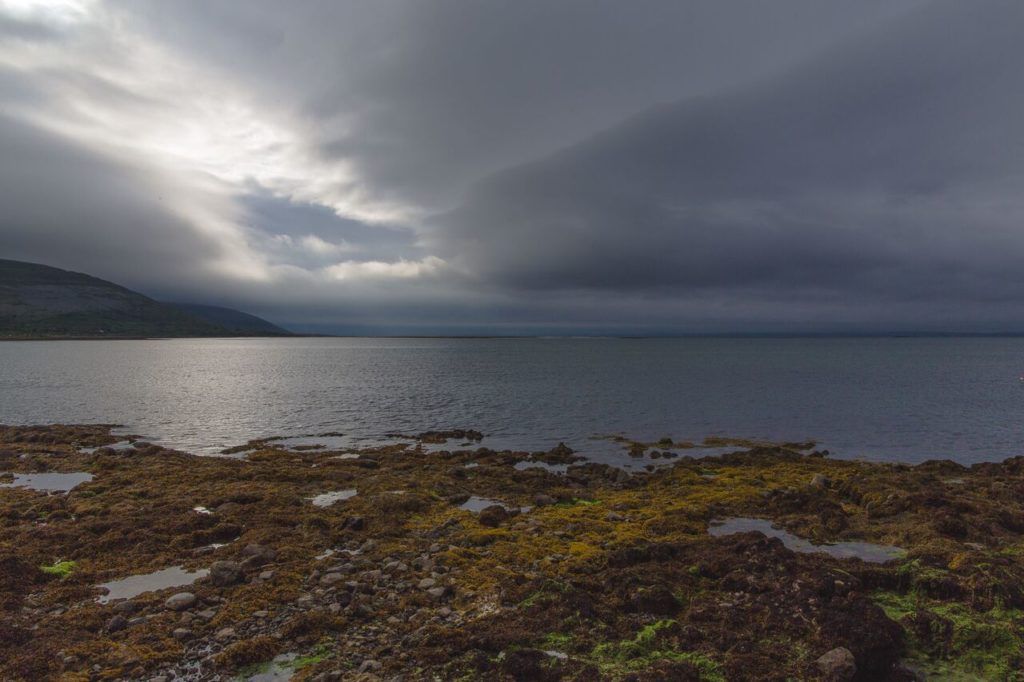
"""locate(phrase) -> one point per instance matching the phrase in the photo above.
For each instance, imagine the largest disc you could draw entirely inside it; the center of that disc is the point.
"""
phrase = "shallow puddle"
(48, 482)
(477, 504)
(327, 499)
(865, 551)
(134, 585)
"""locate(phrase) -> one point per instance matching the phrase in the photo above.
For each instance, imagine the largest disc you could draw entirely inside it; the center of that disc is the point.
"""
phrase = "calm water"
(900, 399)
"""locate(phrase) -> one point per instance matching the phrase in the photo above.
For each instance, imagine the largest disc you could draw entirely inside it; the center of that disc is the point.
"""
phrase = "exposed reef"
(580, 572)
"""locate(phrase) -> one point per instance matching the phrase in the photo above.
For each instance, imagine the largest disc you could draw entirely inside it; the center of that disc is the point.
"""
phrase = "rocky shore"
(456, 562)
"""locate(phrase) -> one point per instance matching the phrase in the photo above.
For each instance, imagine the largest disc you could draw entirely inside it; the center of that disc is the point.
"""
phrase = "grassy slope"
(40, 301)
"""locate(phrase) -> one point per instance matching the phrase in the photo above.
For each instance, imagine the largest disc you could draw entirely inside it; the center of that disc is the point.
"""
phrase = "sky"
(528, 167)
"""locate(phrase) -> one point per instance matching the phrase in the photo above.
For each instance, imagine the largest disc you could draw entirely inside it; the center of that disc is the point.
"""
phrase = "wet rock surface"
(589, 574)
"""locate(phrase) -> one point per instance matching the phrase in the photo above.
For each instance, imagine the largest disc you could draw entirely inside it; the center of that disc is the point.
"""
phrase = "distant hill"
(232, 320)
(39, 301)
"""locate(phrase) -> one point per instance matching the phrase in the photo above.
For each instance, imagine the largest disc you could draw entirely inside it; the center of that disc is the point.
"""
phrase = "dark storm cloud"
(527, 166)
(887, 169)
(429, 96)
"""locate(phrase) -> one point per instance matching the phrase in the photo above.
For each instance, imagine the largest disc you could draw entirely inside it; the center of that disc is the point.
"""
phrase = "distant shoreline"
(635, 337)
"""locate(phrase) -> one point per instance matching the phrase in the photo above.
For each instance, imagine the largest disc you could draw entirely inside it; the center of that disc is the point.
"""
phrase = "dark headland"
(43, 302)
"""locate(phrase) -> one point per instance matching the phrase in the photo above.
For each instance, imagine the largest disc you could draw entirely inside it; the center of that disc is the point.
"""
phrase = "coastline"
(594, 573)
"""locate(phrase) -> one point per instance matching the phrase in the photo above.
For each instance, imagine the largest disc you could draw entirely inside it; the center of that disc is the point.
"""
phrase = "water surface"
(865, 551)
(49, 482)
(134, 585)
(906, 399)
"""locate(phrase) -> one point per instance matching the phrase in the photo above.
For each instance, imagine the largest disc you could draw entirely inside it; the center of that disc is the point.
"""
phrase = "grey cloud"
(882, 171)
(680, 166)
(273, 219)
(427, 97)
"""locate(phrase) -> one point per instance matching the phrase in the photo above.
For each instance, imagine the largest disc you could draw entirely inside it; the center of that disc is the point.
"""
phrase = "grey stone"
(820, 481)
(117, 623)
(180, 601)
(837, 665)
(369, 666)
(329, 579)
(224, 573)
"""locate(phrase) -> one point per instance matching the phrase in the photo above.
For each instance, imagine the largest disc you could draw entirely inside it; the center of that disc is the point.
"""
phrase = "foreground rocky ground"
(583, 575)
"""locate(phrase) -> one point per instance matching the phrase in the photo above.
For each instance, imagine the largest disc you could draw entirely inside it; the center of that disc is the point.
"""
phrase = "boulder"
(224, 573)
(254, 556)
(493, 516)
(837, 665)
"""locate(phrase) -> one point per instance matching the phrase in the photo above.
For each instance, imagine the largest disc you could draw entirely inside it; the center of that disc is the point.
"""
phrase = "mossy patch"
(953, 641)
(647, 647)
(61, 569)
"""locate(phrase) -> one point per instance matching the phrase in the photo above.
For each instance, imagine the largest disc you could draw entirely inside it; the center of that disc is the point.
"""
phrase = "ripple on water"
(134, 585)
(49, 482)
(864, 551)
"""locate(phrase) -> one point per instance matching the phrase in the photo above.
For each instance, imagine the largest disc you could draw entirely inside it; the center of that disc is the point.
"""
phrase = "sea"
(891, 399)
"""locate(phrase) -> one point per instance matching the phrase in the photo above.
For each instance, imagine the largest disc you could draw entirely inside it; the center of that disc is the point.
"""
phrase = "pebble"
(820, 481)
(331, 579)
(369, 666)
(117, 623)
(225, 634)
(182, 634)
(427, 583)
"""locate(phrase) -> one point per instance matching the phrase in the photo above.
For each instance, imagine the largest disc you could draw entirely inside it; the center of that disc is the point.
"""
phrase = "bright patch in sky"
(207, 140)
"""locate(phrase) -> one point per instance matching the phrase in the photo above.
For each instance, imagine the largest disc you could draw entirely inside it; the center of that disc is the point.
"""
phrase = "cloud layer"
(508, 167)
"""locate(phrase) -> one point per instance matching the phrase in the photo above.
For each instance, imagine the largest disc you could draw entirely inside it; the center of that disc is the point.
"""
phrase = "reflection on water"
(864, 551)
(134, 585)
(48, 482)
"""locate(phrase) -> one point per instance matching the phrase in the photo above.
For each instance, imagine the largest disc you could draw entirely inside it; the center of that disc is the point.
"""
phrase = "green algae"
(956, 641)
(616, 658)
(61, 569)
